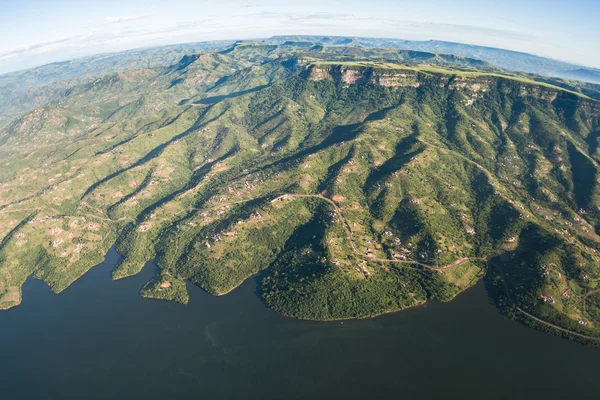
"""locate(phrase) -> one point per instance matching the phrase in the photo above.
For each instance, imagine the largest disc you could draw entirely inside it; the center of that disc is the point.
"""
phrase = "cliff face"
(472, 84)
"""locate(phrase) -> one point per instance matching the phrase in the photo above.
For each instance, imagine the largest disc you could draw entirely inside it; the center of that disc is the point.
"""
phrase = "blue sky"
(34, 32)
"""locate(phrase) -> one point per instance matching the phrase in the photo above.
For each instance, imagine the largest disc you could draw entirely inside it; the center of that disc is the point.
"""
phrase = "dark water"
(100, 340)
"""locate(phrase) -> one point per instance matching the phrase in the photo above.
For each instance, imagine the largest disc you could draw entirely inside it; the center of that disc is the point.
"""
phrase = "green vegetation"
(434, 51)
(427, 69)
(166, 287)
(305, 282)
(354, 187)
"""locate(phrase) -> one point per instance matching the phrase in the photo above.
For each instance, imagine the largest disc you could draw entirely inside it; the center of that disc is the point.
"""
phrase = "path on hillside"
(505, 190)
(453, 265)
(595, 338)
(381, 260)
(385, 260)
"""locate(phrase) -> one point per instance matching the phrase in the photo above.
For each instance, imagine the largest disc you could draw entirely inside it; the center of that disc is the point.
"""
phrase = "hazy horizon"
(43, 32)
(148, 47)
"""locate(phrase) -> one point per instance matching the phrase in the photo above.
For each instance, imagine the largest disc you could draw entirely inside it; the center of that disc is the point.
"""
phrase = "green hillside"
(507, 59)
(355, 187)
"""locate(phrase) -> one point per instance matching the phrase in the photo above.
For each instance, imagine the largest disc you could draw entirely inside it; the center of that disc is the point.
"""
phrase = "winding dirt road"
(381, 260)
(450, 266)
(406, 262)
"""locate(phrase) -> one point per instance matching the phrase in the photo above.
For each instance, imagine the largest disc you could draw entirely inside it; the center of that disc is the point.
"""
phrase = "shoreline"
(373, 316)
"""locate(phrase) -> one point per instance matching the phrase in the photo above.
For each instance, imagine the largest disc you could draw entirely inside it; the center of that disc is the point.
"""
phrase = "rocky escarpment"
(388, 75)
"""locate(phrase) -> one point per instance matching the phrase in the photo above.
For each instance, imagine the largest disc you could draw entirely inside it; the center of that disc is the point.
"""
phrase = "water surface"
(100, 340)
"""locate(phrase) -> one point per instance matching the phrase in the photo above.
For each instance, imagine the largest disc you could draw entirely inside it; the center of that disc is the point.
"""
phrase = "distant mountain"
(356, 181)
(103, 63)
(584, 74)
(24, 90)
(507, 59)
(27, 89)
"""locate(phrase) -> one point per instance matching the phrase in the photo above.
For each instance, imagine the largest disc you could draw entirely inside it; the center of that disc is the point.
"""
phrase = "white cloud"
(297, 16)
(119, 35)
(434, 29)
(108, 40)
(439, 29)
(116, 20)
(35, 49)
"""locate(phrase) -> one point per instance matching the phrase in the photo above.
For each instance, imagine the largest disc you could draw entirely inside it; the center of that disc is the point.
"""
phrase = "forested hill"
(357, 183)
(27, 89)
(507, 59)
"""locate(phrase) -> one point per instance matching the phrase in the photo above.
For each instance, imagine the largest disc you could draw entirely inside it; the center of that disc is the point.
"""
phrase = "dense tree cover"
(166, 287)
(304, 283)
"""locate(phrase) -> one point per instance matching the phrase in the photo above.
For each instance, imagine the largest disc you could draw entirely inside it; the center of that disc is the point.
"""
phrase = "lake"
(100, 340)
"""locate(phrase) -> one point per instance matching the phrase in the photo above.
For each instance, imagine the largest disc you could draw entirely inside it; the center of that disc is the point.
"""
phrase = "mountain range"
(355, 180)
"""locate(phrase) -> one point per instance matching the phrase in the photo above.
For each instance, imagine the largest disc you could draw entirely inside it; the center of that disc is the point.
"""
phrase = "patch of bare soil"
(12, 296)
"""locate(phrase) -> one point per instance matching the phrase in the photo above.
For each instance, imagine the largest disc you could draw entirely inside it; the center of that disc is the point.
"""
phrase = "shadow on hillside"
(216, 99)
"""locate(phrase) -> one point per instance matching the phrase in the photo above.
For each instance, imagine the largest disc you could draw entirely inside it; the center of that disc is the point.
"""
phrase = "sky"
(36, 32)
